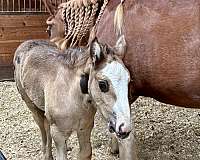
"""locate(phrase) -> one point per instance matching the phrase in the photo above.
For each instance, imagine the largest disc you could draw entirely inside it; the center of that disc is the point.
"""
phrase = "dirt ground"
(162, 132)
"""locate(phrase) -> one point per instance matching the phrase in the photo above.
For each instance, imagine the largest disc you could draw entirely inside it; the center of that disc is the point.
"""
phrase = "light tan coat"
(55, 87)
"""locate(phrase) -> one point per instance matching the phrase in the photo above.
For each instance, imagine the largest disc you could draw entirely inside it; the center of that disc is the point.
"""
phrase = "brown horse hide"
(163, 53)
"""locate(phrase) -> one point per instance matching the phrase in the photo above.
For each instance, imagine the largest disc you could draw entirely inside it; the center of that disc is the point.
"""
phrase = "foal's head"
(107, 83)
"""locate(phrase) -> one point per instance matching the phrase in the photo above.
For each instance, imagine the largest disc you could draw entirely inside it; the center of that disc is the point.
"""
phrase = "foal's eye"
(103, 85)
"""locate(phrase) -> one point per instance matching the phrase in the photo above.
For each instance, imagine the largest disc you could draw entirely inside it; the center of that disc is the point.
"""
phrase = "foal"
(62, 90)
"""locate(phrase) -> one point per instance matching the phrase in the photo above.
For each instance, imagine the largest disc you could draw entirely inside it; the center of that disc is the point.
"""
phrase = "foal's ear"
(120, 47)
(96, 52)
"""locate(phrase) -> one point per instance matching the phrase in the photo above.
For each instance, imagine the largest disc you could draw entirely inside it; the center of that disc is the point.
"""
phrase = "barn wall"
(14, 29)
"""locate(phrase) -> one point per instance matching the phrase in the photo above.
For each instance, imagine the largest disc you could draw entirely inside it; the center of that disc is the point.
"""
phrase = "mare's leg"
(84, 135)
(41, 121)
(59, 139)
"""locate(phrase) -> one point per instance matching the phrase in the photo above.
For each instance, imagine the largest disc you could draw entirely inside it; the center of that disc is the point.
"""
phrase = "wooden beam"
(6, 73)
(23, 21)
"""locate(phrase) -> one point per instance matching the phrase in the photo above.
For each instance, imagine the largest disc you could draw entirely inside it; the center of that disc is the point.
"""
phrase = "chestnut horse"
(163, 47)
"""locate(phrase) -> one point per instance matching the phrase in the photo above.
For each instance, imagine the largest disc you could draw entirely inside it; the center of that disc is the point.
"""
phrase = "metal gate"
(21, 6)
(25, 6)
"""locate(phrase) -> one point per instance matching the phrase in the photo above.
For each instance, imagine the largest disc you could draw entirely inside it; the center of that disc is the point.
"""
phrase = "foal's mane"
(74, 57)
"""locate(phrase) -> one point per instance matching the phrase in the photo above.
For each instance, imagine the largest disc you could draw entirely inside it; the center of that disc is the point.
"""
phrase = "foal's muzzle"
(121, 133)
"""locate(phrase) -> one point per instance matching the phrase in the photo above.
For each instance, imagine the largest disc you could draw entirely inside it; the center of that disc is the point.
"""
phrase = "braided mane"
(78, 22)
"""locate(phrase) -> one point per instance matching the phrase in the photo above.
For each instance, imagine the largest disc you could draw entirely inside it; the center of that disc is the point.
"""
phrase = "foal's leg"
(114, 145)
(41, 121)
(127, 148)
(48, 150)
(84, 135)
(59, 139)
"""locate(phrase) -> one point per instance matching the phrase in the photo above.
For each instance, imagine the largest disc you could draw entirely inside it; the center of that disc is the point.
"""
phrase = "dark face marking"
(103, 85)
(18, 60)
(84, 83)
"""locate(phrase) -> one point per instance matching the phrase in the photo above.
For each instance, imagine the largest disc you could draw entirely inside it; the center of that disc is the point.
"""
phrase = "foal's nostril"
(120, 128)
(122, 134)
(111, 127)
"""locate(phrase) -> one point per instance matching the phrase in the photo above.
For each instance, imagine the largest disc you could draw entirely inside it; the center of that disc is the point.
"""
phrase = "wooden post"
(19, 5)
(1, 5)
(13, 5)
(8, 4)
(40, 5)
(35, 5)
(24, 5)
(30, 8)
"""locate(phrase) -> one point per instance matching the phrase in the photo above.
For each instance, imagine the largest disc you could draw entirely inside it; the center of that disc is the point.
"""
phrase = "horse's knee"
(57, 136)
(59, 139)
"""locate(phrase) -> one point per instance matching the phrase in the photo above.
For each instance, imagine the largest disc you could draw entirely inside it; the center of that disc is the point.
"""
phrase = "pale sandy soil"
(162, 132)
